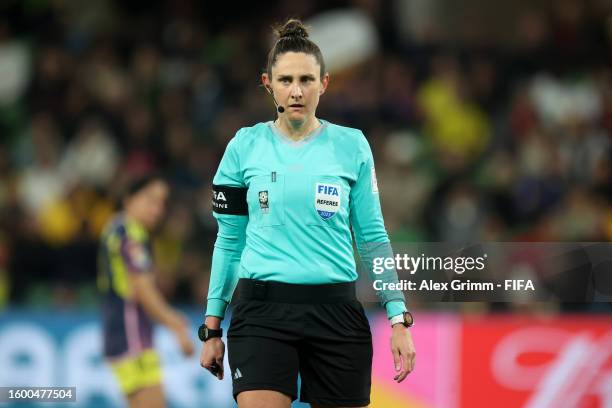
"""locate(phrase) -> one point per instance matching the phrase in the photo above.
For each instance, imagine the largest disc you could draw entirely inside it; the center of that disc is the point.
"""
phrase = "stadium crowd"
(479, 134)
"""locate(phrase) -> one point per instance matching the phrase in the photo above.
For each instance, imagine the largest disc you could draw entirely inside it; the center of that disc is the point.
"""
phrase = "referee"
(286, 195)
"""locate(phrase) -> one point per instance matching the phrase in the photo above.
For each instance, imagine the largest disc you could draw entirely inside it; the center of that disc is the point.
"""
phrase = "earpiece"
(279, 108)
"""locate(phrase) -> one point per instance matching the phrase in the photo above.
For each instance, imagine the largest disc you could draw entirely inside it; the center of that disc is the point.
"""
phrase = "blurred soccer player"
(131, 300)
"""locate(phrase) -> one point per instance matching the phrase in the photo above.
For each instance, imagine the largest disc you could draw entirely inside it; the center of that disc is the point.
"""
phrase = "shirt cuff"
(395, 307)
(396, 319)
(216, 307)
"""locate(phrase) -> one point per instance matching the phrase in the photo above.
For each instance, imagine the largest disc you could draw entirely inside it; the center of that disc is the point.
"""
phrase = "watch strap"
(205, 333)
(397, 319)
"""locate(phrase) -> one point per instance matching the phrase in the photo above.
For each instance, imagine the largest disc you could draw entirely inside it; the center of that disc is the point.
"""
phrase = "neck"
(297, 130)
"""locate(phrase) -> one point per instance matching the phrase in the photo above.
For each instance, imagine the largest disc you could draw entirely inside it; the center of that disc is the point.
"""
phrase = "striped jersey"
(125, 249)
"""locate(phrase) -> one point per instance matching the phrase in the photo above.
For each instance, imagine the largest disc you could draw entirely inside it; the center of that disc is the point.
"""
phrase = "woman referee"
(286, 196)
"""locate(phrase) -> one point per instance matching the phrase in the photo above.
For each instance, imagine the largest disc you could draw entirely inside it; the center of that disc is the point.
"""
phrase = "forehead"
(296, 63)
(156, 187)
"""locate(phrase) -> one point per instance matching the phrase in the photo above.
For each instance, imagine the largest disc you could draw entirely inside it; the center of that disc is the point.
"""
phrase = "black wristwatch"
(408, 319)
(405, 319)
(204, 333)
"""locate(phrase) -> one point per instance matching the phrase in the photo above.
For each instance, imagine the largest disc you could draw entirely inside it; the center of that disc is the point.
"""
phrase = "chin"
(296, 117)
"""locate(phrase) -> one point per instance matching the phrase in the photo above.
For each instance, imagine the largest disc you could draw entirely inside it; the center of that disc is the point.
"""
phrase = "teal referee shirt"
(285, 211)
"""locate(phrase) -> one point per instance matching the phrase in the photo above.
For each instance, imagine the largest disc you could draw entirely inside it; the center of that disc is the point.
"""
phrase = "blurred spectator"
(458, 128)
(493, 123)
(40, 179)
(4, 277)
(14, 65)
(91, 157)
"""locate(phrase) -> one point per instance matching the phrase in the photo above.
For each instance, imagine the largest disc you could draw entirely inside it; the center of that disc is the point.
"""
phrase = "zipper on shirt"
(273, 177)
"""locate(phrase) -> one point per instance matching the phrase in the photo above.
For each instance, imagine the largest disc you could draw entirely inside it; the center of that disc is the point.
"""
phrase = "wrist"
(213, 340)
(213, 322)
(405, 319)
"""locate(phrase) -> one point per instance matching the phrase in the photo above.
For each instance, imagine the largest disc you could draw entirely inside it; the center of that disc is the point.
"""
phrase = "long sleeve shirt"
(302, 201)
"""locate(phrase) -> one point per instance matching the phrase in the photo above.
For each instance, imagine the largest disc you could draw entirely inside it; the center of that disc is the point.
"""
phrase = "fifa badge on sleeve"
(263, 201)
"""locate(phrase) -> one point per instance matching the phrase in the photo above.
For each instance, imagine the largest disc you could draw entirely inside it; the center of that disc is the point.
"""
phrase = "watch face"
(202, 332)
(408, 319)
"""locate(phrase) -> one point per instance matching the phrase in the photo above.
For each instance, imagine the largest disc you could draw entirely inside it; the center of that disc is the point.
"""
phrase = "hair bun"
(292, 28)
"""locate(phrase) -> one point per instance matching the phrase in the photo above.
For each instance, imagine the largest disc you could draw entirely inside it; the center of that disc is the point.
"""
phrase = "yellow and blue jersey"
(125, 249)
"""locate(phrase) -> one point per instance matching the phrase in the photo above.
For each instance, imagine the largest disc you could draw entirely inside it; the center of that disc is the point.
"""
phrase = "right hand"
(212, 355)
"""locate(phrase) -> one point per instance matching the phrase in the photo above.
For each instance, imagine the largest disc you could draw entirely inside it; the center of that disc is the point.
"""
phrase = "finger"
(402, 376)
(396, 359)
(411, 361)
(219, 362)
(405, 370)
(207, 363)
(400, 366)
(214, 370)
(204, 362)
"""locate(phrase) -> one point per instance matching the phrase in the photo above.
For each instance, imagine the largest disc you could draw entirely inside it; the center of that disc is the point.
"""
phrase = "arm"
(139, 264)
(153, 303)
(231, 211)
(372, 242)
(369, 230)
(230, 242)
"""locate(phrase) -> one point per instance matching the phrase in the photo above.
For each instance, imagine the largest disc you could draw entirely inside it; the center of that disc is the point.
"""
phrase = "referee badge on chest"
(327, 199)
(263, 201)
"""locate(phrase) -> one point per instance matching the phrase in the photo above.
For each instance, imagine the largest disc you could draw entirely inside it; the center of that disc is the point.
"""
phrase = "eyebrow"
(290, 77)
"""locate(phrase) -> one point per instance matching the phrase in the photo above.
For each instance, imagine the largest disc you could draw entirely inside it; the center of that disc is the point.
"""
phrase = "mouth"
(296, 106)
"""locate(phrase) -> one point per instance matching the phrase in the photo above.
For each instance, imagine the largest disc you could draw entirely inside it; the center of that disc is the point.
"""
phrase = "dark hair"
(293, 37)
(141, 182)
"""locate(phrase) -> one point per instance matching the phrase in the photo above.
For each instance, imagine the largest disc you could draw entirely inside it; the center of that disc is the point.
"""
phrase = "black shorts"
(319, 331)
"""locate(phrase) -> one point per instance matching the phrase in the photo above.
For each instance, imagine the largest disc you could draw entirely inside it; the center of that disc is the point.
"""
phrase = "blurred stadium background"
(489, 121)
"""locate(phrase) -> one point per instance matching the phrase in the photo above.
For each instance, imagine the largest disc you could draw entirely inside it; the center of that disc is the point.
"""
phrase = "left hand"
(403, 352)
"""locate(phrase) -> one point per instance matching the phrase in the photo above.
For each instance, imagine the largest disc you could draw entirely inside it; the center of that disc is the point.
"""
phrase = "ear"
(265, 81)
(324, 83)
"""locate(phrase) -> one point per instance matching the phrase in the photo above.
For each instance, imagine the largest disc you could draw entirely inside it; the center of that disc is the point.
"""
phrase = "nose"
(296, 92)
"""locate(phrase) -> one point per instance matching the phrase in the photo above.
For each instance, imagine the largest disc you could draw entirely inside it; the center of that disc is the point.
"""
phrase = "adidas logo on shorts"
(237, 374)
